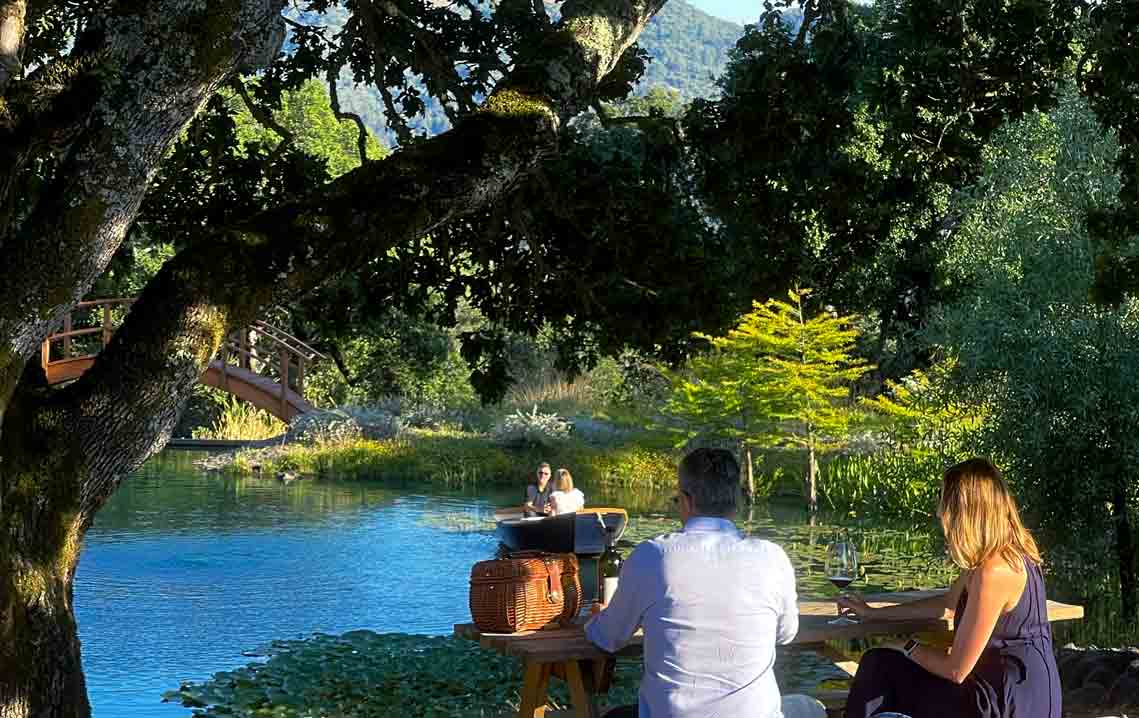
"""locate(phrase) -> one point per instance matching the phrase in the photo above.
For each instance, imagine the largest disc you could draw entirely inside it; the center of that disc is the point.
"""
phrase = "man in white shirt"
(713, 605)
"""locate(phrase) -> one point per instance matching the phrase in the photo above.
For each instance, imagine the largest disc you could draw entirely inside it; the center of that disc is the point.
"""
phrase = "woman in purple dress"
(1001, 664)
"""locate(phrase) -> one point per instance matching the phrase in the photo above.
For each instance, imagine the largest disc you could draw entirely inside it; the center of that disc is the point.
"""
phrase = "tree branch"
(264, 117)
(361, 128)
(128, 403)
(810, 14)
(426, 41)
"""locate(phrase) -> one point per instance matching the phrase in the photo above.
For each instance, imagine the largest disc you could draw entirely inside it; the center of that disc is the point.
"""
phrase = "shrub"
(532, 429)
(241, 421)
(344, 424)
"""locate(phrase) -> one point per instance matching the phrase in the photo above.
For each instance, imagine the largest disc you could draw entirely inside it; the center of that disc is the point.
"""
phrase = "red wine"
(840, 582)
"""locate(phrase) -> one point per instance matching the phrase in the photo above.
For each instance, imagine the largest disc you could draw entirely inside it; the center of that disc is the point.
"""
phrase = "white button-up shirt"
(713, 605)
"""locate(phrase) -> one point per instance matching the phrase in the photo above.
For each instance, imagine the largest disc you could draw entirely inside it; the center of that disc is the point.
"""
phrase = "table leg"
(603, 674)
(535, 683)
(584, 705)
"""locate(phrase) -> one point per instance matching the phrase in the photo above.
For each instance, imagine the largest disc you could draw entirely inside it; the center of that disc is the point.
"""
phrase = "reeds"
(241, 421)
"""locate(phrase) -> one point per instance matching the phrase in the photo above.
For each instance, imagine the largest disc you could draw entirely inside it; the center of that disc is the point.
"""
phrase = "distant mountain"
(689, 48)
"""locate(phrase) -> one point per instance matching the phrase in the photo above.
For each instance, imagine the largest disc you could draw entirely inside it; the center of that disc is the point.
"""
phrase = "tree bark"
(12, 14)
(812, 479)
(749, 471)
(40, 670)
(41, 673)
(1125, 553)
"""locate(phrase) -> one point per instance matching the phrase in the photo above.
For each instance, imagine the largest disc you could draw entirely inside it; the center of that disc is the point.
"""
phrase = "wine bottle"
(610, 567)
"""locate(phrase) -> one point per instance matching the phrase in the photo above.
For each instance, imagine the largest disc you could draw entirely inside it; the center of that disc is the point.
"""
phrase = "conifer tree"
(777, 379)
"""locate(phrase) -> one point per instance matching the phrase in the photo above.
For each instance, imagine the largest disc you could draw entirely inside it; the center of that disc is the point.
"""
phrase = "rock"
(1090, 695)
(1079, 667)
(1125, 691)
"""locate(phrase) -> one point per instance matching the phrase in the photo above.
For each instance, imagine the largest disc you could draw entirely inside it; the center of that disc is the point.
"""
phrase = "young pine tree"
(777, 379)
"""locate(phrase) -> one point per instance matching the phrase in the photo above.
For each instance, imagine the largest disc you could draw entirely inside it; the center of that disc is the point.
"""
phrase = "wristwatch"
(911, 644)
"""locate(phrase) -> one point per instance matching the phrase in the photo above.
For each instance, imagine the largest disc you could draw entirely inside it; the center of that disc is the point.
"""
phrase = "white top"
(713, 605)
(567, 502)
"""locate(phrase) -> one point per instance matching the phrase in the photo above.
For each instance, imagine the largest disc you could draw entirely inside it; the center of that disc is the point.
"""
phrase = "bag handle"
(554, 572)
(553, 566)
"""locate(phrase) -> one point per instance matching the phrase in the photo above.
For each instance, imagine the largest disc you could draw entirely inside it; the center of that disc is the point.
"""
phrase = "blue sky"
(740, 11)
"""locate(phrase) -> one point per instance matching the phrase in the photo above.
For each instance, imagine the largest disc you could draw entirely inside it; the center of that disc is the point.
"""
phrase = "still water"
(184, 571)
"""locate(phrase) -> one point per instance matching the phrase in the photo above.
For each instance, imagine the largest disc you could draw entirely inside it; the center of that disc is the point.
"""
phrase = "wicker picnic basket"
(525, 592)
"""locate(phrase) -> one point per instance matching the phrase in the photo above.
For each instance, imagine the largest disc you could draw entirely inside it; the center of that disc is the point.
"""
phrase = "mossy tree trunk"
(42, 524)
(107, 113)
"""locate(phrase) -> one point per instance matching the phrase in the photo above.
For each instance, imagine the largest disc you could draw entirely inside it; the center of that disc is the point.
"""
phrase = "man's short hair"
(543, 465)
(711, 477)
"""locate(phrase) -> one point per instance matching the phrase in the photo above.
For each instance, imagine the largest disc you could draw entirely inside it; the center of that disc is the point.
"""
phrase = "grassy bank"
(455, 458)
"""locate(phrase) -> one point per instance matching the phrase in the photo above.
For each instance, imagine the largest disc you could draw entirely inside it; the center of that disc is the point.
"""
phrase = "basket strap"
(554, 571)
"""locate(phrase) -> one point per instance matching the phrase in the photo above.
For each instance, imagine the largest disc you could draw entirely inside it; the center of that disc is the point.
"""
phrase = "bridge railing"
(262, 349)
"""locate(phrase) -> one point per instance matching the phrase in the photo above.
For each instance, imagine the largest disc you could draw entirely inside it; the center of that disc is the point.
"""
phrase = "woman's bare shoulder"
(995, 574)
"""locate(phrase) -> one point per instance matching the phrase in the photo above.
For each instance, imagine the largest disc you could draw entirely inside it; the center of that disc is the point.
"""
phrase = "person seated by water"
(538, 494)
(713, 604)
(566, 499)
(1001, 663)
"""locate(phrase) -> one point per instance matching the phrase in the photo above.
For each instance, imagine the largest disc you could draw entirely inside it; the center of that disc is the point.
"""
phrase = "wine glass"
(842, 570)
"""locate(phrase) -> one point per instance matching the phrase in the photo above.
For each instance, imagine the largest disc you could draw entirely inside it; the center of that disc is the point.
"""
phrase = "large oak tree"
(93, 96)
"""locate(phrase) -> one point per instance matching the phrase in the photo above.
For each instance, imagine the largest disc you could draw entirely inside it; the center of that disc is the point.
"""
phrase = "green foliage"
(890, 483)
(390, 354)
(240, 420)
(1106, 75)
(778, 378)
(307, 114)
(1054, 372)
(688, 49)
(838, 156)
(923, 412)
(455, 458)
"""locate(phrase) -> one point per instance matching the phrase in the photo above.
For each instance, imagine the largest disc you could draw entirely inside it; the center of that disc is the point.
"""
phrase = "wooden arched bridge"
(261, 364)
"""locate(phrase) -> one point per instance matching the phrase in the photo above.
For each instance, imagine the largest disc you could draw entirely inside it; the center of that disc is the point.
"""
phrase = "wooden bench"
(565, 653)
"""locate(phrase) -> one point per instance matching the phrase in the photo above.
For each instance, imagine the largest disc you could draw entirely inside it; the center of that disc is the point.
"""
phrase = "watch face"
(910, 645)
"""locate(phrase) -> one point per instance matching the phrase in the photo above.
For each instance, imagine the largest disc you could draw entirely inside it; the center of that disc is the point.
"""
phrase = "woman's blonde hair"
(980, 518)
(565, 480)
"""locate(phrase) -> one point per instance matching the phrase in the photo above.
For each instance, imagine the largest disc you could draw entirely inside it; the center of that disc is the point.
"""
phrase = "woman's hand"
(853, 603)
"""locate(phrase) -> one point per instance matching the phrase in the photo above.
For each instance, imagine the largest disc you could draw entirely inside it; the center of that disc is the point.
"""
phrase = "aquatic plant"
(362, 674)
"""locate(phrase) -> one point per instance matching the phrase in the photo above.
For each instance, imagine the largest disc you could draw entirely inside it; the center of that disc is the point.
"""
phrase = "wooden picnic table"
(567, 654)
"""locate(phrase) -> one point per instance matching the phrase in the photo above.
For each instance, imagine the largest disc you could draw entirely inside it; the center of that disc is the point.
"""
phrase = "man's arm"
(531, 497)
(789, 613)
(615, 625)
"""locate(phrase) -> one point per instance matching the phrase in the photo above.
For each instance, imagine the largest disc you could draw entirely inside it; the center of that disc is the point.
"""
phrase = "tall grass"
(241, 421)
(550, 390)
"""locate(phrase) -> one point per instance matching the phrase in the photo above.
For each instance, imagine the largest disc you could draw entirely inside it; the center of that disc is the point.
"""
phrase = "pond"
(184, 571)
